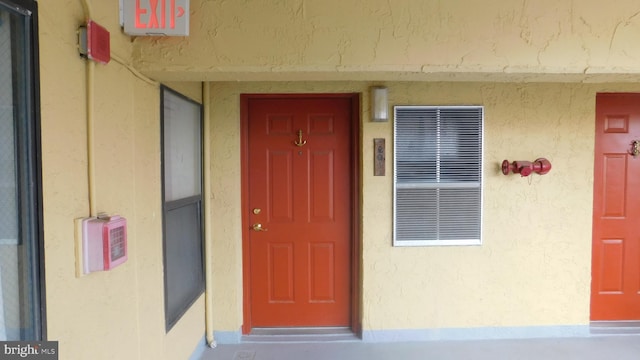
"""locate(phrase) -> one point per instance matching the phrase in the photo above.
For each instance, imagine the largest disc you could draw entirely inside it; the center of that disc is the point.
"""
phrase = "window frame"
(29, 167)
(437, 184)
(168, 205)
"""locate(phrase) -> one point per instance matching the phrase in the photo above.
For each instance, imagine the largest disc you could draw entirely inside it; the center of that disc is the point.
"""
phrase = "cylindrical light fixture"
(379, 106)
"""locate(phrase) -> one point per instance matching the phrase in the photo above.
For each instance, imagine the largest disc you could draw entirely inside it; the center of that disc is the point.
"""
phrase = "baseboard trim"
(198, 352)
(448, 334)
(227, 337)
(481, 333)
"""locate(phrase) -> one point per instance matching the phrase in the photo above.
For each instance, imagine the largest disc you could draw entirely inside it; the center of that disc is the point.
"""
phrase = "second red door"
(615, 284)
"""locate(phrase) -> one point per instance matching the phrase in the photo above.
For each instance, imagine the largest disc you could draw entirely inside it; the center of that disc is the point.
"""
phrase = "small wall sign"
(156, 17)
(378, 157)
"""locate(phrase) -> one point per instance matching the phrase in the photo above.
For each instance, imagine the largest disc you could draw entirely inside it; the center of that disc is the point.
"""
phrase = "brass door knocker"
(300, 142)
(635, 148)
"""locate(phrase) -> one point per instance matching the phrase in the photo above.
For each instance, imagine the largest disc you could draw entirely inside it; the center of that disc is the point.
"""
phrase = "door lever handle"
(635, 148)
(258, 227)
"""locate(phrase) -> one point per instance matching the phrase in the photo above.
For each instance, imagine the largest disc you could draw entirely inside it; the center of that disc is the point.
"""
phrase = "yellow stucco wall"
(117, 314)
(436, 40)
(534, 265)
(533, 268)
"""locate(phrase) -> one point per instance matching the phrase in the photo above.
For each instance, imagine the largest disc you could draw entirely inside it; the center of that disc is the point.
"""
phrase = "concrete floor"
(621, 347)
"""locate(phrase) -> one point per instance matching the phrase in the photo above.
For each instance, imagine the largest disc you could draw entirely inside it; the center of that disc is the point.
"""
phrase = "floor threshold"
(292, 335)
(614, 327)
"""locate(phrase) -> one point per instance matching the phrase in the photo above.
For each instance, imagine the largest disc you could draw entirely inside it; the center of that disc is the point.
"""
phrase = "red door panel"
(615, 287)
(299, 191)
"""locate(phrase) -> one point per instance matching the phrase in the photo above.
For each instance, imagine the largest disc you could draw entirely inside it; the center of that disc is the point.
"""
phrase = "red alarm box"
(94, 42)
(104, 243)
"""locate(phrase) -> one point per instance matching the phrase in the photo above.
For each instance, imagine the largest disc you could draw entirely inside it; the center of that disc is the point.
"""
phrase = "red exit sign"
(156, 17)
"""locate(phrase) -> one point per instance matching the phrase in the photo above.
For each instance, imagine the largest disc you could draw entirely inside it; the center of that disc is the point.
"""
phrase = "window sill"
(426, 243)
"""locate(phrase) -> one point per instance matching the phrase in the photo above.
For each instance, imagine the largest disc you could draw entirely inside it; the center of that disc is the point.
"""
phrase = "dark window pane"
(183, 248)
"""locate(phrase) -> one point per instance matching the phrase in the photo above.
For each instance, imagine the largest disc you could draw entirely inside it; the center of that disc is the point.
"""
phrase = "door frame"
(598, 140)
(356, 243)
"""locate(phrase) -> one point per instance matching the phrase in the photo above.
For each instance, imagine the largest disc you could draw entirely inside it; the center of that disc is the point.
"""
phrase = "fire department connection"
(539, 166)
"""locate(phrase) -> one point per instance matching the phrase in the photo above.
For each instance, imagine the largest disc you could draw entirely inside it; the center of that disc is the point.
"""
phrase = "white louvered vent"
(437, 175)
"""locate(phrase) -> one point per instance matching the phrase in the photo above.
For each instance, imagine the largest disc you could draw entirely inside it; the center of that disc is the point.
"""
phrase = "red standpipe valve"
(540, 166)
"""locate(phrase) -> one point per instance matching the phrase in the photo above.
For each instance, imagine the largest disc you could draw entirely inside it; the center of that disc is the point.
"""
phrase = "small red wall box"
(104, 243)
(94, 42)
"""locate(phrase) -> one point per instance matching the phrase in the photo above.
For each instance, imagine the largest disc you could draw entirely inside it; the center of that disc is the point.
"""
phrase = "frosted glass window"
(183, 155)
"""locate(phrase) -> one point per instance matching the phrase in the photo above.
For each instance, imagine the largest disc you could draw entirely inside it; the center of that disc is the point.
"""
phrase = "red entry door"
(299, 176)
(615, 287)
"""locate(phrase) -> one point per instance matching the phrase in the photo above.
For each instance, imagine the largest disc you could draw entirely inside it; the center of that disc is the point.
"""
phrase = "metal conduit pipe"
(208, 242)
(90, 71)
